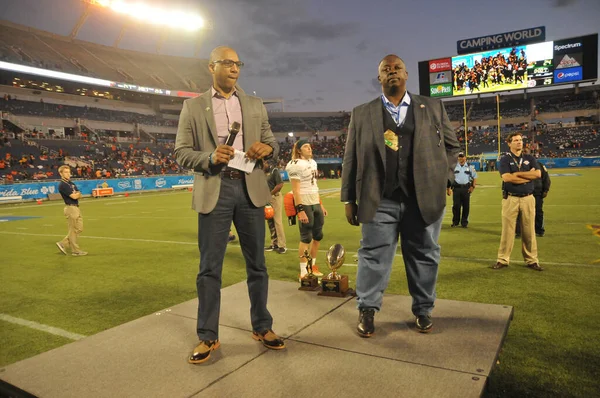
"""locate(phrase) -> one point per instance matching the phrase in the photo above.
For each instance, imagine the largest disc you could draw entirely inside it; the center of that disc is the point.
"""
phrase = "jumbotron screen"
(513, 68)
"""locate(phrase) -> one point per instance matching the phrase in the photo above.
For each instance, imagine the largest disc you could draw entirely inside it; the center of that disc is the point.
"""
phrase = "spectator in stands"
(275, 182)
(303, 173)
(222, 194)
(408, 199)
(71, 195)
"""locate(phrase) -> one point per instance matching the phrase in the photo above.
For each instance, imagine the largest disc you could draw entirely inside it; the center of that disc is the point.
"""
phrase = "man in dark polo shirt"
(518, 171)
(70, 194)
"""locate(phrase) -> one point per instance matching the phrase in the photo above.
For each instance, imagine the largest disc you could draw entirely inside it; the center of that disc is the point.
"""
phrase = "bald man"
(400, 155)
(222, 195)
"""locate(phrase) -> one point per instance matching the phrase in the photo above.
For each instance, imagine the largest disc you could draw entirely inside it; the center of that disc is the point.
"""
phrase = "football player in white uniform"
(303, 174)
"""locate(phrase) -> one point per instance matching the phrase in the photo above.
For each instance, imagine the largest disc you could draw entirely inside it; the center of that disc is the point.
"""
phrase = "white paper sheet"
(241, 162)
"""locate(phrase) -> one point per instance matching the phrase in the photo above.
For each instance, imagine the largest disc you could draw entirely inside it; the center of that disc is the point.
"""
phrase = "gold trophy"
(334, 284)
(309, 281)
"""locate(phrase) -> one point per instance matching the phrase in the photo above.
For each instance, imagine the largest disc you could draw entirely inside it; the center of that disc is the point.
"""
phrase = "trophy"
(335, 285)
(308, 281)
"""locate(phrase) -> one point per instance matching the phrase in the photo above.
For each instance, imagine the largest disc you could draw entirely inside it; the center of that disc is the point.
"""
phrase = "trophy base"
(309, 283)
(336, 287)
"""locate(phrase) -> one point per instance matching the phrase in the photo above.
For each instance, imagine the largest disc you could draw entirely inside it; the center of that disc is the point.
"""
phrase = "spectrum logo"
(568, 75)
(560, 47)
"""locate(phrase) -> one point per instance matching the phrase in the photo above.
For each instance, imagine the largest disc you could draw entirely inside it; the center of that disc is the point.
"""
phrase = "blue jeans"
(420, 250)
(213, 231)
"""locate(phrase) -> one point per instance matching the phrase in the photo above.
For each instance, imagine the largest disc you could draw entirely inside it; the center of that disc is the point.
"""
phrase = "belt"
(462, 185)
(71, 205)
(519, 195)
(231, 175)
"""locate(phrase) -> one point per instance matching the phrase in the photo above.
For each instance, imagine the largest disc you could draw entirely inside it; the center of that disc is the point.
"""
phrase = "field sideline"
(144, 257)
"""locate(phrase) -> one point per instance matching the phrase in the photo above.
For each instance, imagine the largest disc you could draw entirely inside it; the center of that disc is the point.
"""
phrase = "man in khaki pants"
(70, 194)
(518, 171)
(275, 182)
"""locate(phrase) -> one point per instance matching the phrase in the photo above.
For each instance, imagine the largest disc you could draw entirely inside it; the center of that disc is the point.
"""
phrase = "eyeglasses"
(228, 63)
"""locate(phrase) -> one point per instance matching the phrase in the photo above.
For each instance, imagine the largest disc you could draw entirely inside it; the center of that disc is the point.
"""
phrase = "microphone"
(233, 130)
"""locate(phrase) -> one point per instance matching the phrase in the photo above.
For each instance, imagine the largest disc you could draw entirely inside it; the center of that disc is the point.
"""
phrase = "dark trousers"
(539, 216)
(461, 198)
(213, 230)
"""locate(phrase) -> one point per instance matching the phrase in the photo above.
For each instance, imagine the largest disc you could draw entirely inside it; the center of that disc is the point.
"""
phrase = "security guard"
(541, 186)
(518, 171)
(465, 180)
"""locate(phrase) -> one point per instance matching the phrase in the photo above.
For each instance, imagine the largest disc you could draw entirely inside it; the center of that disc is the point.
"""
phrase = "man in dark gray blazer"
(222, 194)
(400, 154)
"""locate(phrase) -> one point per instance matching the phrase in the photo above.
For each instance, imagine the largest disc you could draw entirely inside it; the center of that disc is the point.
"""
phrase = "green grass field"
(143, 258)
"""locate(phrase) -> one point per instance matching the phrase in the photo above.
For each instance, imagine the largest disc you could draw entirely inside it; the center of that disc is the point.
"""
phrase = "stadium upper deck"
(28, 46)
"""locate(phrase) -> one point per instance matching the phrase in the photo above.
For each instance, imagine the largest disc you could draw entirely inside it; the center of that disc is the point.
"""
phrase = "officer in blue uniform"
(465, 180)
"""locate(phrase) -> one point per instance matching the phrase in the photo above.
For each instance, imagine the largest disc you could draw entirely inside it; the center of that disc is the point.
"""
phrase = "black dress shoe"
(269, 339)
(202, 351)
(366, 322)
(424, 323)
(499, 265)
(535, 267)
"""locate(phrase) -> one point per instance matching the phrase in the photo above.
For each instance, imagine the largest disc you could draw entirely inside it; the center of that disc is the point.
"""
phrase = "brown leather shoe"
(499, 265)
(535, 267)
(202, 351)
(269, 339)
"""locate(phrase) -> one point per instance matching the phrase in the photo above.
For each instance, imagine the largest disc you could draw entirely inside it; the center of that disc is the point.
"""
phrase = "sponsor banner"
(560, 163)
(328, 160)
(439, 65)
(568, 75)
(565, 46)
(440, 90)
(40, 190)
(565, 61)
(507, 39)
(440, 77)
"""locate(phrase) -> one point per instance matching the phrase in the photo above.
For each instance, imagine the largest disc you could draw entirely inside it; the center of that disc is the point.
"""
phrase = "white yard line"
(120, 203)
(172, 242)
(42, 327)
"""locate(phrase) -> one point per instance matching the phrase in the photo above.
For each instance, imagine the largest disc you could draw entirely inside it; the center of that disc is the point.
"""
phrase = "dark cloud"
(275, 32)
(288, 64)
(361, 47)
(563, 3)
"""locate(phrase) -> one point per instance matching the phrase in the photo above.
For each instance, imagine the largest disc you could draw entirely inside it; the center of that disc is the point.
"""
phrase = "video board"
(513, 68)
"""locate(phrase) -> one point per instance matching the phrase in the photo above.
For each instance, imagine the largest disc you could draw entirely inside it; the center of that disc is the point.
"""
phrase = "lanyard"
(519, 163)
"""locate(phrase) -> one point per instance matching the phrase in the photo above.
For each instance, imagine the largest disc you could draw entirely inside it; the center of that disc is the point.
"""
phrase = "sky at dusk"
(320, 55)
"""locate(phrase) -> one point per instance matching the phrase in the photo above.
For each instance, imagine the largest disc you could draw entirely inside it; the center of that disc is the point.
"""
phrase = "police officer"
(518, 171)
(541, 186)
(465, 180)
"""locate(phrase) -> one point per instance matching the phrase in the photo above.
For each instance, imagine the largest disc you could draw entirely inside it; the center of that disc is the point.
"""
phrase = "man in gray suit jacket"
(222, 194)
(400, 154)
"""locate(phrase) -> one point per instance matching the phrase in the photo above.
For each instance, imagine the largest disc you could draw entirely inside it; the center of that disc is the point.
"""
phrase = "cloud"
(563, 3)
(278, 35)
(361, 47)
(289, 63)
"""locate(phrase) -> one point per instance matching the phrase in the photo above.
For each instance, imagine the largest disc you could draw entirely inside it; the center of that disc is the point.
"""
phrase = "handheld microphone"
(233, 130)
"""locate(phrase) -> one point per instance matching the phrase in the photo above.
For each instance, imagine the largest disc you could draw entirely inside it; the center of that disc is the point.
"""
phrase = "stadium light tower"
(173, 19)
